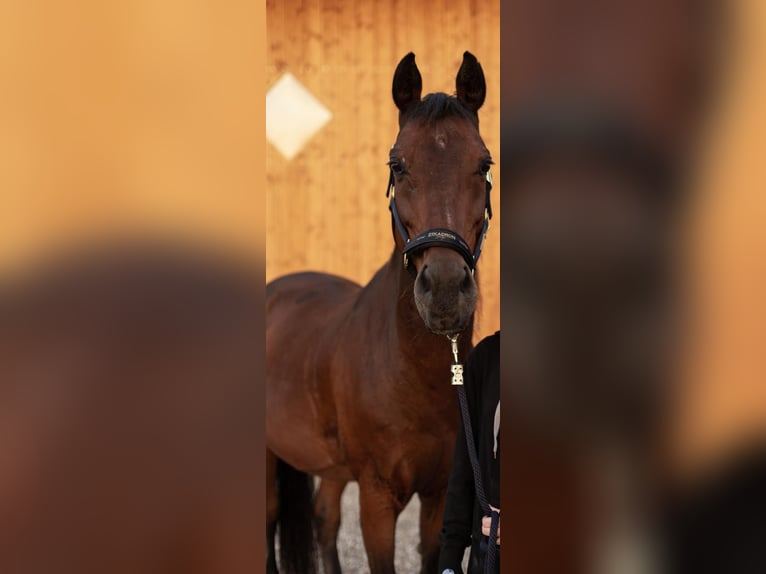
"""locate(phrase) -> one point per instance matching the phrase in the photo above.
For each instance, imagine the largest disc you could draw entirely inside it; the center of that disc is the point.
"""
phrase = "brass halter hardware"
(456, 368)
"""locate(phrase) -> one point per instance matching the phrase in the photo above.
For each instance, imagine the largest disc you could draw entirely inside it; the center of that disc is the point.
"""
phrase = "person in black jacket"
(464, 522)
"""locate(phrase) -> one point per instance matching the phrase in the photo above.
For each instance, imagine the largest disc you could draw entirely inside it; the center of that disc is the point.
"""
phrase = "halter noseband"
(439, 236)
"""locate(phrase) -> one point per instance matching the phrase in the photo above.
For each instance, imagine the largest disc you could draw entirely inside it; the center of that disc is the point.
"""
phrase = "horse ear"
(407, 84)
(470, 86)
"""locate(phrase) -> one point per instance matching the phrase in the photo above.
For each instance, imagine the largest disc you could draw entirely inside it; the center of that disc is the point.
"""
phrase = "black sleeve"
(455, 534)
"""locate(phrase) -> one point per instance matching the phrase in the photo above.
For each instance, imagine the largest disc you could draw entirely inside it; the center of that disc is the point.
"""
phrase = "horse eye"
(396, 166)
(485, 167)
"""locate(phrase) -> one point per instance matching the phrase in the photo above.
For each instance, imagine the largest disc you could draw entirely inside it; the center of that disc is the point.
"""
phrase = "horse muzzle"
(445, 292)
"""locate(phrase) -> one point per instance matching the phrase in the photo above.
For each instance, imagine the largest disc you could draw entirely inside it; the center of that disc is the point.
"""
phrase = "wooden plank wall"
(326, 208)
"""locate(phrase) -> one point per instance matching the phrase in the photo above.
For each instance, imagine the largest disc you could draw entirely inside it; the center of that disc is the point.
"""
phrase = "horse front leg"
(327, 521)
(378, 510)
(431, 513)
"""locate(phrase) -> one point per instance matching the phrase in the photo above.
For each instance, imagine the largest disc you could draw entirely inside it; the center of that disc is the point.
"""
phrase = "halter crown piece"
(438, 236)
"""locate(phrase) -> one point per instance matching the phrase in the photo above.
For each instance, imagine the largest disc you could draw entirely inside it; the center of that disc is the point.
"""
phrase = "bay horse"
(357, 385)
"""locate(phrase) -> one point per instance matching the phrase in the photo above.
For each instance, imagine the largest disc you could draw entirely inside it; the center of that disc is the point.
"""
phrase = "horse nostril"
(425, 281)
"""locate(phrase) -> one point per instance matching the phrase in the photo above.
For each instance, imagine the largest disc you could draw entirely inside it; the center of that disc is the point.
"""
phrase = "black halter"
(438, 236)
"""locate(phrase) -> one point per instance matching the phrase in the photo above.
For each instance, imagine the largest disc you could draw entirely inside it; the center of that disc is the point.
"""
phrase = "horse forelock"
(439, 106)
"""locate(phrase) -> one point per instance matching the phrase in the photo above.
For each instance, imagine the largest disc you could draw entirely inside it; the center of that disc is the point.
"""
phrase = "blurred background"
(129, 119)
(131, 285)
(654, 58)
(725, 399)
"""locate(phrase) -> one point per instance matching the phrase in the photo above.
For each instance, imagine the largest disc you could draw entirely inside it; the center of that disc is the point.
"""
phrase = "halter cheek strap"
(438, 236)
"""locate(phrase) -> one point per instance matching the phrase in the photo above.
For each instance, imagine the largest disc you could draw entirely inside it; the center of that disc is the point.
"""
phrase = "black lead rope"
(457, 379)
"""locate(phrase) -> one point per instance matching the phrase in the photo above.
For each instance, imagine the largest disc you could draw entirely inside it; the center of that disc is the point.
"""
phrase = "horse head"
(439, 190)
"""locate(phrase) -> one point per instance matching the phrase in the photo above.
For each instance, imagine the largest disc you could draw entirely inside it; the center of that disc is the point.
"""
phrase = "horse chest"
(400, 418)
(406, 450)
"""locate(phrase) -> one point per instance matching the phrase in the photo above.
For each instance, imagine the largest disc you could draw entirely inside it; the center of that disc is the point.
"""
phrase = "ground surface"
(353, 559)
(351, 548)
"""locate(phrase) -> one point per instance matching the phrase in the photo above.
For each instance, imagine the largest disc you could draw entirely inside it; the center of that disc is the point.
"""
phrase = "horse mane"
(438, 106)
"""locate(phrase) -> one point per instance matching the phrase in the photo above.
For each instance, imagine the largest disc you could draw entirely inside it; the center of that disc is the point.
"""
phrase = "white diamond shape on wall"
(293, 115)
